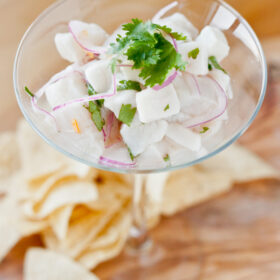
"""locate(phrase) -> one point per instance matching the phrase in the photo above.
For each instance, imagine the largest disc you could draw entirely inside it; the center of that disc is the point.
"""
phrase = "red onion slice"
(112, 131)
(174, 43)
(115, 162)
(164, 10)
(222, 106)
(59, 76)
(104, 135)
(167, 82)
(89, 98)
(46, 113)
(75, 28)
(110, 120)
(196, 84)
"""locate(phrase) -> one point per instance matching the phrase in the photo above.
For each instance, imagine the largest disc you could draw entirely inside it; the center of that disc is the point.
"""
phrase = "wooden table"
(232, 237)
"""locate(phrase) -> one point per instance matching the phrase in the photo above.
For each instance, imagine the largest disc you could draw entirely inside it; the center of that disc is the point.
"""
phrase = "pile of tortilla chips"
(83, 214)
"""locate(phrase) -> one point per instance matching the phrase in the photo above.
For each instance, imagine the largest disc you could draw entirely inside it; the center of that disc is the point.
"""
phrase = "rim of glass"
(143, 171)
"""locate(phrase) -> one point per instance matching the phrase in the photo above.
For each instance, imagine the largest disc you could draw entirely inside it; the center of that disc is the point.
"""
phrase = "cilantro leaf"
(142, 54)
(175, 35)
(126, 85)
(145, 45)
(167, 107)
(131, 27)
(130, 154)
(194, 53)
(29, 92)
(213, 61)
(204, 129)
(95, 109)
(113, 65)
(96, 116)
(210, 67)
(166, 158)
(157, 73)
(91, 91)
(126, 114)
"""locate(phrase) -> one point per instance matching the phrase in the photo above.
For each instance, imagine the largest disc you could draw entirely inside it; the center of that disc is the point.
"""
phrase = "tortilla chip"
(241, 164)
(190, 186)
(9, 237)
(118, 184)
(9, 162)
(14, 226)
(47, 265)
(59, 221)
(67, 192)
(81, 231)
(40, 159)
(109, 243)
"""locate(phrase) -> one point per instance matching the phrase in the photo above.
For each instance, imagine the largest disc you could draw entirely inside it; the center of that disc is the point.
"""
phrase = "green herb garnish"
(166, 158)
(96, 116)
(145, 45)
(114, 65)
(210, 67)
(204, 129)
(130, 154)
(126, 85)
(213, 62)
(95, 109)
(194, 53)
(126, 114)
(167, 107)
(175, 35)
(91, 91)
(29, 92)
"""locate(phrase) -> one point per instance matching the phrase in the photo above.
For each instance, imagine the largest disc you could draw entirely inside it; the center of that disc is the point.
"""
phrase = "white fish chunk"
(115, 102)
(179, 23)
(154, 105)
(139, 136)
(223, 79)
(151, 158)
(199, 65)
(184, 136)
(89, 142)
(65, 89)
(89, 35)
(99, 76)
(215, 41)
(131, 74)
(68, 48)
(118, 152)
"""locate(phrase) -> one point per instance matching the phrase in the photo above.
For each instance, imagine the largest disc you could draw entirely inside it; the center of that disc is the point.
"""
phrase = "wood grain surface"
(232, 237)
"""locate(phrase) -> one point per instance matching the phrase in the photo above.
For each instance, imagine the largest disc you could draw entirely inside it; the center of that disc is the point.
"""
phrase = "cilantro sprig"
(204, 130)
(95, 109)
(167, 107)
(166, 158)
(213, 62)
(194, 53)
(132, 157)
(128, 84)
(28, 91)
(126, 114)
(145, 45)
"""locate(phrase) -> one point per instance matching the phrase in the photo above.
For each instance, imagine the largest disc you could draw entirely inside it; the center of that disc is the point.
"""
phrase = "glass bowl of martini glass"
(37, 61)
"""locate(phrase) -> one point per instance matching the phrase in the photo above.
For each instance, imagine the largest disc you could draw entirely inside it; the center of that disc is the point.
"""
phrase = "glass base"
(139, 242)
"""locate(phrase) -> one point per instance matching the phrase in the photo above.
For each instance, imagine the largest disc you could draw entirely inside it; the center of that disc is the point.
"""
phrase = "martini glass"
(37, 60)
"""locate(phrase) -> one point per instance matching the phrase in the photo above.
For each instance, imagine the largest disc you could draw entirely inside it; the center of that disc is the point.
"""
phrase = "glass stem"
(139, 239)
